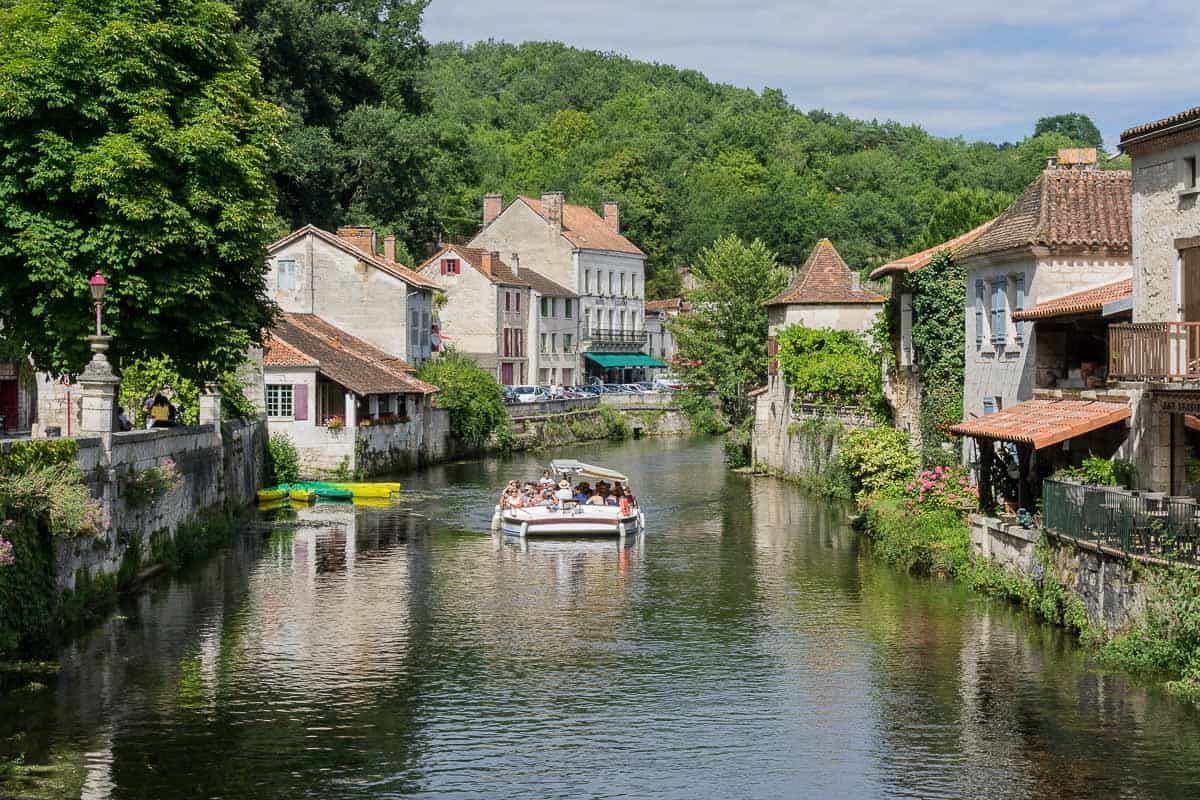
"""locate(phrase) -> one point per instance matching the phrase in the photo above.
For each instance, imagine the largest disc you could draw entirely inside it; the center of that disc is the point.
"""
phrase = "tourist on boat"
(611, 499)
(563, 494)
(546, 481)
(582, 492)
(511, 498)
(596, 499)
(626, 503)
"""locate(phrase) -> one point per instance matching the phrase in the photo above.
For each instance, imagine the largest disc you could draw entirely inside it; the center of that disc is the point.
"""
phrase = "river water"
(746, 646)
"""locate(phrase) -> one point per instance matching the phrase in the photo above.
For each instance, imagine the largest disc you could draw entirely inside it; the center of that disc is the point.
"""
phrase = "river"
(746, 646)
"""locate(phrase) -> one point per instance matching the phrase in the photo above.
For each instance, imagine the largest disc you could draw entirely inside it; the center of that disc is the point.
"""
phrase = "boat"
(377, 490)
(571, 519)
(313, 490)
(270, 495)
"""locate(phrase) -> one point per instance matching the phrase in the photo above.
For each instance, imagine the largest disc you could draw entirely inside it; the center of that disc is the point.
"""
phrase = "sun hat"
(564, 484)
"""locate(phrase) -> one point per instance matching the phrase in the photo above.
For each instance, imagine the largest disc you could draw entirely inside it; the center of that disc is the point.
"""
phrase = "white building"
(575, 247)
(825, 293)
(660, 343)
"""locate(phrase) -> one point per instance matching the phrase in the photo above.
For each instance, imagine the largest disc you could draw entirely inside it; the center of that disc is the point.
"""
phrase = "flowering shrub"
(335, 423)
(57, 492)
(876, 459)
(941, 487)
(6, 548)
(150, 485)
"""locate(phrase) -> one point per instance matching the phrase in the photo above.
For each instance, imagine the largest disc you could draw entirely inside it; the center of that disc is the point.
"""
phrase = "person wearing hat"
(563, 495)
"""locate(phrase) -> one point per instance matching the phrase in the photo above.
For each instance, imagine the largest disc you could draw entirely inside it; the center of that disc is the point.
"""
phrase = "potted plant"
(335, 422)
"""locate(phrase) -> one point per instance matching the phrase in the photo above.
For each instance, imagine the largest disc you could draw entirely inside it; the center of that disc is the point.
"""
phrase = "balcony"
(1154, 351)
(612, 340)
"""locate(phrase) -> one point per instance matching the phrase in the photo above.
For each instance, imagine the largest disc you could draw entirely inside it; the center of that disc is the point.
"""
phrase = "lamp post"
(98, 286)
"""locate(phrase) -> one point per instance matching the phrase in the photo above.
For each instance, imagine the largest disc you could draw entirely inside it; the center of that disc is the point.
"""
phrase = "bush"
(930, 541)
(877, 459)
(834, 368)
(737, 444)
(283, 462)
(616, 425)
(57, 495)
(698, 408)
(143, 378)
(471, 395)
(1101, 472)
(141, 488)
(941, 487)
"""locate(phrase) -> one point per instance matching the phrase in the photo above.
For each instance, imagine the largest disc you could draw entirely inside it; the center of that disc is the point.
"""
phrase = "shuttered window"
(999, 311)
(1019, 305)
(989, 406)
(280, 400)
(978, 314)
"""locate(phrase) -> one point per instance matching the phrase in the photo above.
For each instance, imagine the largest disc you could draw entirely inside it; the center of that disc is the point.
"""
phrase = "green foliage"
(141, 488)
(737, 444)
(938, 332)
(146, 377)
(930, 542)
(471, 395)
(724, 337)
(1101, 472)
(877, 459)
(616, 425)
(698, 408)
(56, 496)
(149, 161)
(960, 211)
(1079, 128)
(26, 454)
(1168, 643)
(283, 462)
(829, 367)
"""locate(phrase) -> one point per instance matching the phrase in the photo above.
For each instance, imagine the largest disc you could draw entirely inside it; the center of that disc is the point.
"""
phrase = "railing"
(1144, 525)
(1160, 351)
(614, 336)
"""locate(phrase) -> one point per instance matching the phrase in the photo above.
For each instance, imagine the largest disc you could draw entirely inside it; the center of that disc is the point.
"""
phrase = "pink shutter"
(300, 401)
(518, 302)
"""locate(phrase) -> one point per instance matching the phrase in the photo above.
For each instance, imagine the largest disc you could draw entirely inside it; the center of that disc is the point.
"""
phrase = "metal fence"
(1142, 524)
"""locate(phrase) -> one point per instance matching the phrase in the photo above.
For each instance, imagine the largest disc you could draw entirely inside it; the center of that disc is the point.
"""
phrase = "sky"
(980, 69)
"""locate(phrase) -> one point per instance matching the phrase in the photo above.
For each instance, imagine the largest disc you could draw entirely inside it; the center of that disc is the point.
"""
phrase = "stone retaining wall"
(798, 445)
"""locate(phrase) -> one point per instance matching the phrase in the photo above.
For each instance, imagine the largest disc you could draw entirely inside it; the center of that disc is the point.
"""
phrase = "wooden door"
(8, 405)
(1191, 284)
(506, 374)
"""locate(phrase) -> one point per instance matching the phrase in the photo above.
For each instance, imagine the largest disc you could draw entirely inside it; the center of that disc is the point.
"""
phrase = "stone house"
(902, 384)
(660, 343)
(345, 404)
(343, 280)
(576, 248)
(513, 321)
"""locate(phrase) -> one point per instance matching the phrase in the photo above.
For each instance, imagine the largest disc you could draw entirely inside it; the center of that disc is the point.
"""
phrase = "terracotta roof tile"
(673, 304)
(1043, 422)
(824, 279)
(360, 367)
(1160, 125)
(1087, 301)
(499, 273)
(278, 353)
(543, 285)
(586, 229)
(1064, 209)
(392, 268)
(921, 260)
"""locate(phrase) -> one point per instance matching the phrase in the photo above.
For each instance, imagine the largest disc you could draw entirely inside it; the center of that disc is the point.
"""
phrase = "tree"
(1079, 128)
(135, 141)
(722, 342)
(471, 395)
(960, 211)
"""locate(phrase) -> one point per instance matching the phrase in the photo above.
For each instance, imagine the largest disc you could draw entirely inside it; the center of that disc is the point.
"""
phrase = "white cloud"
(972, 68)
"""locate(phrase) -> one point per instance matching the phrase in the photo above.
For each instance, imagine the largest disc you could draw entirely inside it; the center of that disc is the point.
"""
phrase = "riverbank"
(543, 426)
(1156, 635)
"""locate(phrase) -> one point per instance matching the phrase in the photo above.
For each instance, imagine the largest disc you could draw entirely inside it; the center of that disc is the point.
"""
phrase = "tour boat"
(571, 519)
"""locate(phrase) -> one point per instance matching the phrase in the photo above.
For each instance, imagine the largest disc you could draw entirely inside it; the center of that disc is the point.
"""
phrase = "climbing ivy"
(938, 300)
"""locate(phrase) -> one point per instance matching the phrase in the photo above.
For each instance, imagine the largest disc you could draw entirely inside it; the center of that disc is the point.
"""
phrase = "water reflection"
(746, 646)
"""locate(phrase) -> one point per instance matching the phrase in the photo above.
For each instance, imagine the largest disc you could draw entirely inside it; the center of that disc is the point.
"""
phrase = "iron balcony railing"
(1138, 524)
(1154, 351)
(614, 336)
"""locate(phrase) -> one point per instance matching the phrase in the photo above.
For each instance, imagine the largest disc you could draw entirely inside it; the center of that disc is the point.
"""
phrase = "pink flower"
(6, 550)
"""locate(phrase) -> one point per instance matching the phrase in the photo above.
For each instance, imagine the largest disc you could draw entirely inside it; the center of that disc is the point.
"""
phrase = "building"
(341, 278)
(18, 397)
(346, 405)
(902, 384)
(578, 249)
(824, 293)
(554, 330)
(660, 343)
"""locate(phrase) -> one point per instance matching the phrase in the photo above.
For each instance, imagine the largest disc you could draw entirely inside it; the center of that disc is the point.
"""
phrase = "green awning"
(619, 360)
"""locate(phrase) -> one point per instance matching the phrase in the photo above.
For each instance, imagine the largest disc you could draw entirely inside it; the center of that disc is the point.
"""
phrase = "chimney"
(1078, 157)
(361, 237)
(488, 260)
(855, 282)
(493, 204)
(552, 209)
(612, 215)
(389, 248)
(516, 264)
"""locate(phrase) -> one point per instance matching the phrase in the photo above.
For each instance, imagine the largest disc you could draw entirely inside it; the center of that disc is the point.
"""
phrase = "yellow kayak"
(379, 490)
(272, 505)
(303, 495)
(272, 494)
(372, 502)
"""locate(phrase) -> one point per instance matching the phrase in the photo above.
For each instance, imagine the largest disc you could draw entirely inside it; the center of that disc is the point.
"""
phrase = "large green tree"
(1079, 128)
(722, 342)
(134, 140)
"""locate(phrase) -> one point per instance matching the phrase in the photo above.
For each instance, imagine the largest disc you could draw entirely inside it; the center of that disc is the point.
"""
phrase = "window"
(554, 343)
(999, 310)
(450, 266)
(568, 308)
(622, 320)
(280, 401)
(545, 307)
(587, 281)
(622, 284)
(978, 314)
(517, 295)
(906, 316)
(553, 307)
(567, 343)
(287, 274)
(633, 285)
(1189, 172)
(610, 283)
(1019, 305)
(989, 405)
(543, 348)
(508, 301)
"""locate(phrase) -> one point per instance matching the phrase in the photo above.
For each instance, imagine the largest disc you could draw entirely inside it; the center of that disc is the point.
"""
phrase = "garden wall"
(401, 446)
(799, 443)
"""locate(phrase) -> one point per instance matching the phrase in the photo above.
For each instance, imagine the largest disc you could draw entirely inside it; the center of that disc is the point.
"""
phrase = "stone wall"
(218, 468)
(797, 445)
(1113, 596)
(383, 449)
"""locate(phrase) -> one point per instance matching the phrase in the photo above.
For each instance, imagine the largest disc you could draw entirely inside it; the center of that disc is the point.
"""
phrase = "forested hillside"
(388, 131)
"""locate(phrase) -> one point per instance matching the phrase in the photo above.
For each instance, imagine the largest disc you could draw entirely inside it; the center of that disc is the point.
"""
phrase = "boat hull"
(588, 521)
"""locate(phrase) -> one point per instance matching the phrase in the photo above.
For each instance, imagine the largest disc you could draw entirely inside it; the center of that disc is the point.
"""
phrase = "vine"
(939, 343)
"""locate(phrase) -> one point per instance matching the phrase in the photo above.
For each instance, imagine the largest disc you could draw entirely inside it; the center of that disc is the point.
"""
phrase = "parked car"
(669, 382)
(589, 390)
(647, 387)
(633, 388)
(509, 395)
(530, 394)
(611, 388)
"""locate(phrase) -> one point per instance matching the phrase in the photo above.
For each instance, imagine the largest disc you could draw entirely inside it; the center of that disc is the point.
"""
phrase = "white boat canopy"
(569, 466)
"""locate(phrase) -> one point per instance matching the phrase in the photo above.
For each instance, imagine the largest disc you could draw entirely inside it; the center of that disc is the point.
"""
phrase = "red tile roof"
(921, 260)
(824, 280)
(1042, 423)
(673, 304)
(1192, 115)
(1064, 209)
(586, 229)
(392, 268)
(308, 340)
(500, 273)
(1087, 301)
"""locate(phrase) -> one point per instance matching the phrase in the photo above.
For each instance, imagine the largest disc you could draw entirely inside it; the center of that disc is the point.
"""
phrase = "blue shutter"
(989, 406)
(999, 336)
(978, 314)
(1020, 306)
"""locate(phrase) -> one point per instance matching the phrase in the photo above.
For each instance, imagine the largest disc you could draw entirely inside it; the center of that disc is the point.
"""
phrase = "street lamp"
(98, 285)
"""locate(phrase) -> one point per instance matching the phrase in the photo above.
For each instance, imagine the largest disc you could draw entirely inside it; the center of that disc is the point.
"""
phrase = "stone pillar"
(351, 410)
(210, 406)
(100, 386)
(987, 500)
